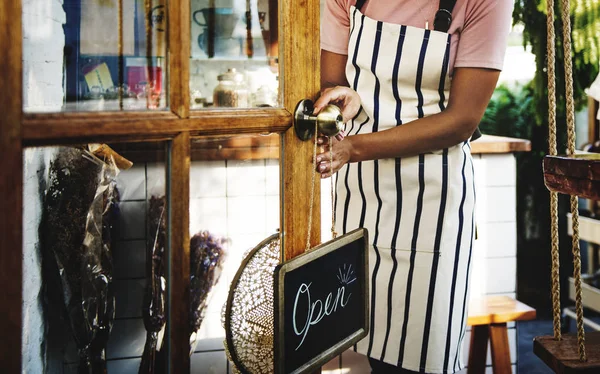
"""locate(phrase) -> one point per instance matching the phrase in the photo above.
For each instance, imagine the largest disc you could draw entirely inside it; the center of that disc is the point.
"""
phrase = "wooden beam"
(54, 128)
(11, 186)
(178, 278)
(179, 57)
(237, 147)
(299, 28)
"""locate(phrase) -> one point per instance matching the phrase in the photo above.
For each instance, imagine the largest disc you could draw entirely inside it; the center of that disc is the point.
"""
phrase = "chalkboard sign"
(321, 303)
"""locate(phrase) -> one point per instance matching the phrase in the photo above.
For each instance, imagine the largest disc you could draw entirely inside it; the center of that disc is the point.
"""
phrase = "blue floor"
(529, 363)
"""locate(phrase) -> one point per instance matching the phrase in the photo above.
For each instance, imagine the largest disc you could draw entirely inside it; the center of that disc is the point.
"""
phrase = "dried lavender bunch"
(80, 209)
(206, 258)
(207, 255)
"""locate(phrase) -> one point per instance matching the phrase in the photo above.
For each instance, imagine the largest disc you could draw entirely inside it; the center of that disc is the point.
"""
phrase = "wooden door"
(298, 51)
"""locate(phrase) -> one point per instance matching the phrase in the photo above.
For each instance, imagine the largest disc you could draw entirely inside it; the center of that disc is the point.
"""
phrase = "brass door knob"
(329, 121)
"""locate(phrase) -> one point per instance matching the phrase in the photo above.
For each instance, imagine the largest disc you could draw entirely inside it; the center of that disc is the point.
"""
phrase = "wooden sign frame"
(279, 309)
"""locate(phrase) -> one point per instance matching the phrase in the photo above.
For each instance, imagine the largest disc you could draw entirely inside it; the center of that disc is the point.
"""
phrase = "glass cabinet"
(148, 146)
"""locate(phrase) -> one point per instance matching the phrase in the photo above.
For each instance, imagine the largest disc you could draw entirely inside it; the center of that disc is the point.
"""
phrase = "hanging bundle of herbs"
(206, 258)
(80, 210)
(153, 310)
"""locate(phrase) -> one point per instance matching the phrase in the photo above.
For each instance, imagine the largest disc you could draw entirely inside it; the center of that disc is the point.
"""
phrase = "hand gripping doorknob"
(329, 121)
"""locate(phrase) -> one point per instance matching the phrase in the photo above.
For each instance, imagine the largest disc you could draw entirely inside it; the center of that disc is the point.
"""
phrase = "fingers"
(327, 96)
(340, 136)
(324, 168)
(344, 97)
(323, 163)
(323, 141)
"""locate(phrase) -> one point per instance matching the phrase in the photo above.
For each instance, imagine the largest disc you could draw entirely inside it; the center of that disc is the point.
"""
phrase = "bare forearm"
(428, 134)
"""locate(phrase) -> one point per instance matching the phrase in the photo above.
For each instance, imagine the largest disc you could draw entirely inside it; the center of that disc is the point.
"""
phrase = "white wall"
(238, 200)
(43, 42)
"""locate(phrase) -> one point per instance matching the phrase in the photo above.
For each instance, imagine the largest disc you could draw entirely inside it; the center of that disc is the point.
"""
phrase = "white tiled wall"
(237, 200)
(494, 267)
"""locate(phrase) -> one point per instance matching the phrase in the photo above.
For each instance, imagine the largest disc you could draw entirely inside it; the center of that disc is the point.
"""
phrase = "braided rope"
(552, 148)
(565, 12)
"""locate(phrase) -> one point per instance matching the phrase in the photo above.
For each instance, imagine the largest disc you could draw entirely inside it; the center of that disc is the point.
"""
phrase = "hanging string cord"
(120, 84)
(333, 232)
(312, 187)
(571, 150)
(149, 62)
(552, 150)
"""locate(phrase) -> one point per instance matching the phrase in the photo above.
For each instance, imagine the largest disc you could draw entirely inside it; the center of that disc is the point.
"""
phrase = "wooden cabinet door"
(298, 56)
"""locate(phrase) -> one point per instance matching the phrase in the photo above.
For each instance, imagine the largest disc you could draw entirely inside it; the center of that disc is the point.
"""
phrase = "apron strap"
(360, 4)
(443, 17)
(441, 22)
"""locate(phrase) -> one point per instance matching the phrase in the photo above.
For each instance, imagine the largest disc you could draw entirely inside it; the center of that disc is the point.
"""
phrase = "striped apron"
(419, 211)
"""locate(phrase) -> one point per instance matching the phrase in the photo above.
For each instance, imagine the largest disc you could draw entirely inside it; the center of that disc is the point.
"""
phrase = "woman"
(412, 97)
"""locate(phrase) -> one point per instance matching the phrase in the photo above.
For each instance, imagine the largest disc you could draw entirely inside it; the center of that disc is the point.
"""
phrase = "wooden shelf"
(577, 175)
(563, 357)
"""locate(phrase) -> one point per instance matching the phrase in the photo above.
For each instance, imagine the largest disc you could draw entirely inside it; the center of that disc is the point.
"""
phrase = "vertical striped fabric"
(419, 210)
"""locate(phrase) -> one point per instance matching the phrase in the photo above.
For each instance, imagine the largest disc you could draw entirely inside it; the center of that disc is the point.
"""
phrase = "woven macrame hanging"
(248, 314)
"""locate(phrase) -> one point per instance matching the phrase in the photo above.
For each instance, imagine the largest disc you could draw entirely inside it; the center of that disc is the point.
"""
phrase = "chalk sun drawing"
(346, 275)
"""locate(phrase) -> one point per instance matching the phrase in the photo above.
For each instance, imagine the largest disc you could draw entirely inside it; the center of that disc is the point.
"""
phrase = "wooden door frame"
(298, 33)
(11, 186)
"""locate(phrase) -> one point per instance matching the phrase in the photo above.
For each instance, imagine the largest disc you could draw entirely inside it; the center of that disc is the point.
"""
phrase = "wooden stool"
(488, 317)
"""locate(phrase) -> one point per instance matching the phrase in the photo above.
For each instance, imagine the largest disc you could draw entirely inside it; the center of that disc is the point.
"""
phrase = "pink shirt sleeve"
(335, 26)
(484, 35)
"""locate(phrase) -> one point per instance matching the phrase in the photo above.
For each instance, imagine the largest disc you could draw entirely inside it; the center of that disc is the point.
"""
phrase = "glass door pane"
(85, 55)
(234, 205)
(234, 54)
(94, 259)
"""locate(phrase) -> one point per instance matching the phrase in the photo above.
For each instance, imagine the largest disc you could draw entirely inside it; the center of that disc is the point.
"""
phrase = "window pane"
(234, 205)
(94, 247)
(234, 54)
(88, 55)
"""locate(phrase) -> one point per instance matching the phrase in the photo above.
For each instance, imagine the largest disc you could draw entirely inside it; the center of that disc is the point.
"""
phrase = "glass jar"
(264, 97)
(231, 92)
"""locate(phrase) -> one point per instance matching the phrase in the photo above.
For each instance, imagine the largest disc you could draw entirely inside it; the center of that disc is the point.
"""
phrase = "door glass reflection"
(234, 54)
(94, 55)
